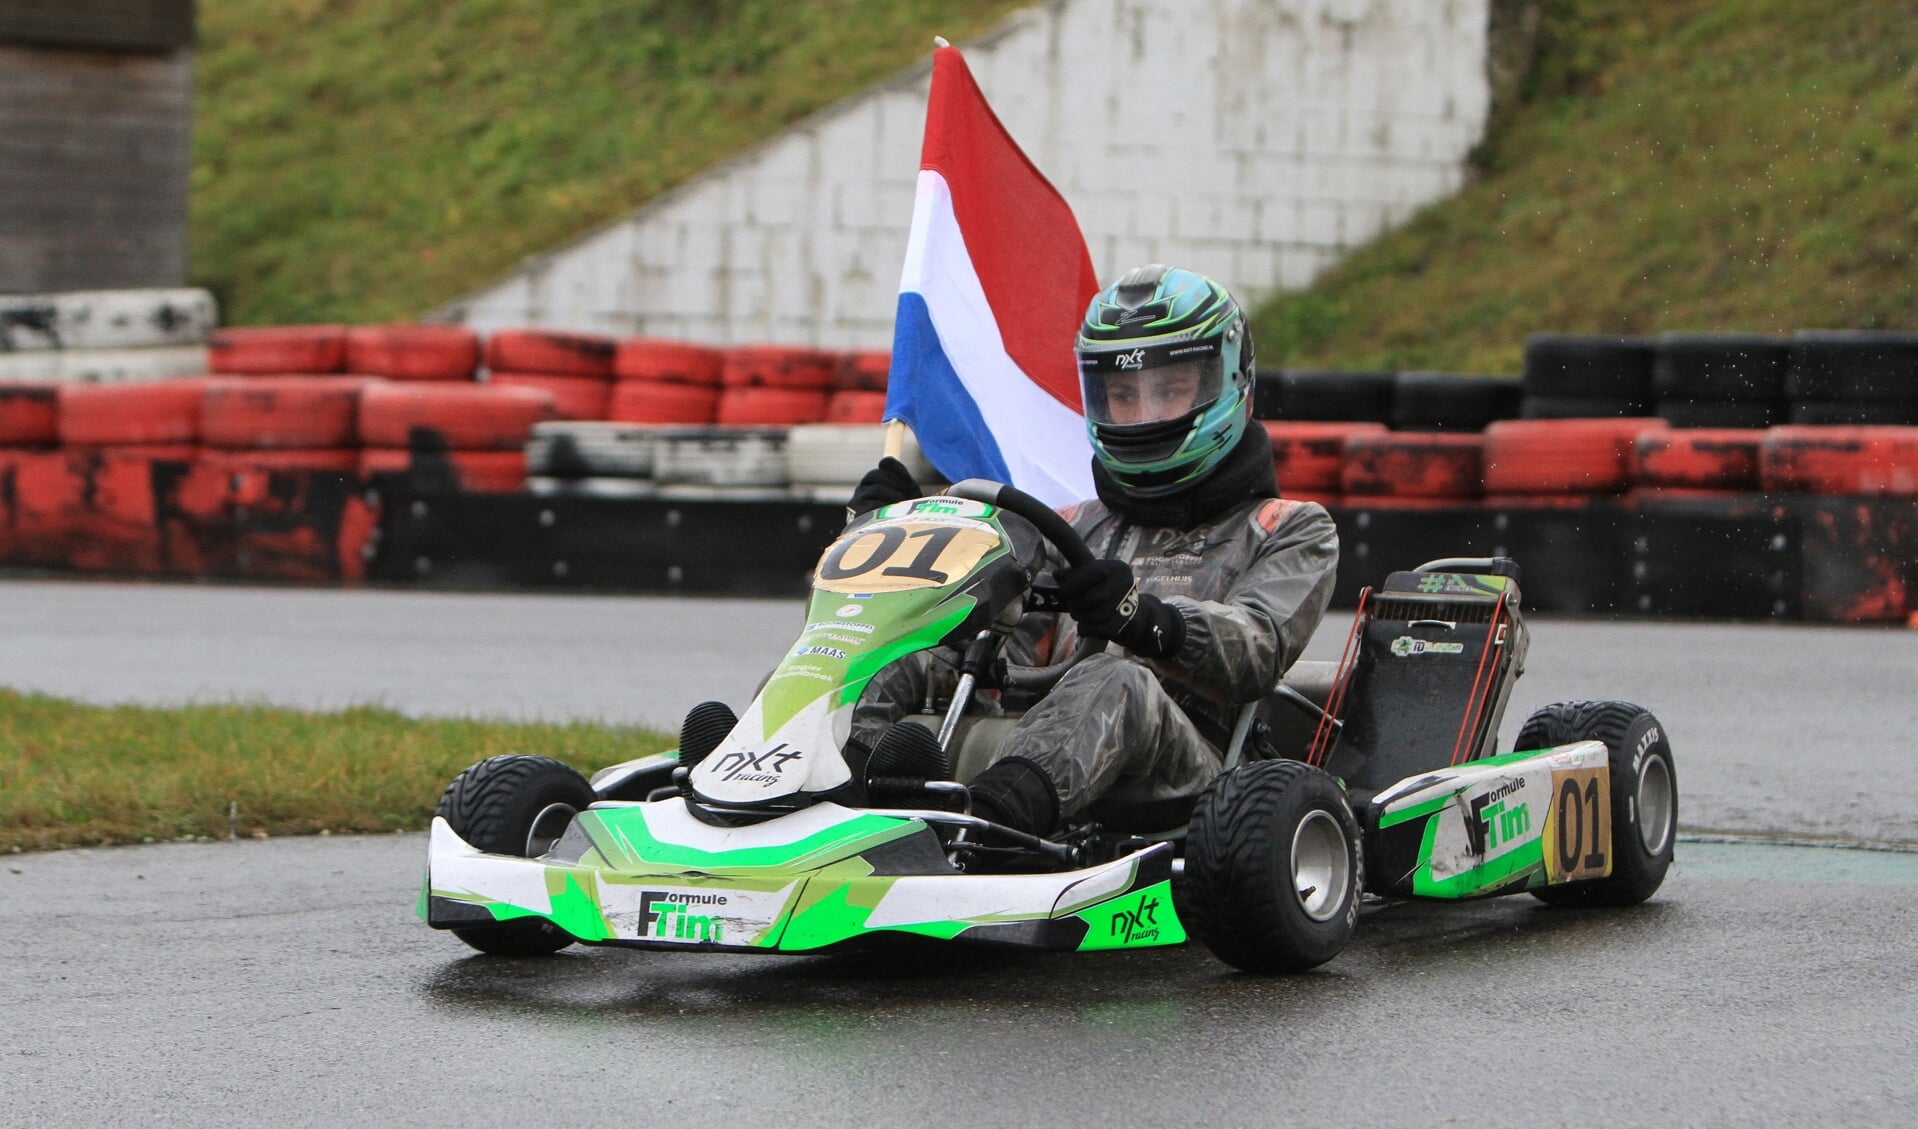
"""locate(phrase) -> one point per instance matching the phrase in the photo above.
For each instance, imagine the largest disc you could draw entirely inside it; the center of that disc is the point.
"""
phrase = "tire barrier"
(856, 407)
(1592, 368)
(1440, 401)
(772, 366)
(862, 371)
(825, 461)
(413, 352)
(460, 417)
(106, 366)
(1840, 460)
(662, 401)
(574, 397)
(1698, 459)
(106, 319)
(582, 449)
(274, 350)
(1838, 365)
(676, 362)
(298, 412)
(1721, 380)
(337, 460)
(29, 414)
(721, 456)
(1350, 397)
(1414, 466)
(550, 352)
(766, 406)
(1310, 456)
(1562, 457)
(472, 472)
(163, 412)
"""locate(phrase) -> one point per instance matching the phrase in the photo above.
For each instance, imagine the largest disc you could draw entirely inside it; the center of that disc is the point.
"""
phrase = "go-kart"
(1376, 776)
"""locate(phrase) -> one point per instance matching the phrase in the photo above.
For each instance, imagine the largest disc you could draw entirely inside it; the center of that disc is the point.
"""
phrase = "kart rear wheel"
(1273, 867)
(1644, 801)
(515, 805)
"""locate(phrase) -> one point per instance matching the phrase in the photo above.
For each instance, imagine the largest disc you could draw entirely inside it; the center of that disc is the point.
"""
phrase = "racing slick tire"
(1644, 796)
(515, 805)
(1273, 867)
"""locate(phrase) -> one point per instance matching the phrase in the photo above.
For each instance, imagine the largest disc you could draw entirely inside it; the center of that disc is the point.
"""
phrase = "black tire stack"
(1314, 394)
(1581, 376)
(1846, 376)
(1445, 401)
(1721, 379)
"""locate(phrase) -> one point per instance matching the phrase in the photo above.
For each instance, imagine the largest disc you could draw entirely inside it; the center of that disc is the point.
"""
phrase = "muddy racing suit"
(1132, 741)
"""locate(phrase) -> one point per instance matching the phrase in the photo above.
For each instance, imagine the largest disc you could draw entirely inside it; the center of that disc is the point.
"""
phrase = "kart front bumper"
(643, 876)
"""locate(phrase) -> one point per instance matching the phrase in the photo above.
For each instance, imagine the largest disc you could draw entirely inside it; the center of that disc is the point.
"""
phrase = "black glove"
(883, 485)
(1105, 598)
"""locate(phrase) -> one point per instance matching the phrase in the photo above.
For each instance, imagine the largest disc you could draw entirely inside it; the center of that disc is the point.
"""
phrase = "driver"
(1207, 588)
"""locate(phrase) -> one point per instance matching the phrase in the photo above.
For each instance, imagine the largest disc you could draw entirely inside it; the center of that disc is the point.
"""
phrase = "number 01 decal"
(889, 557)
(1578, 825)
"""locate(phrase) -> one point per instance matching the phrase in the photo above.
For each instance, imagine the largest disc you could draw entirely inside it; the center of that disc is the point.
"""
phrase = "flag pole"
(896, 432)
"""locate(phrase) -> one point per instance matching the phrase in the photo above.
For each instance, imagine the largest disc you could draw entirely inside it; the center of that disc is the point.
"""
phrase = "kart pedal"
(908, 750)
(706, 725)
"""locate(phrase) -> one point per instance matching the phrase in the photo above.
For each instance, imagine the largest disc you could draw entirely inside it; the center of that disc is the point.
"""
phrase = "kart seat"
(1291, 714)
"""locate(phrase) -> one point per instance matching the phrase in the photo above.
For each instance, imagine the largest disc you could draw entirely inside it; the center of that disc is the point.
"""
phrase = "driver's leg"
(1110, 731)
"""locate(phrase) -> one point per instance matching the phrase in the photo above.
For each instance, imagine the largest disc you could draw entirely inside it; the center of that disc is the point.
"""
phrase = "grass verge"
(76, 775)
(1691, 164)
(358, 160)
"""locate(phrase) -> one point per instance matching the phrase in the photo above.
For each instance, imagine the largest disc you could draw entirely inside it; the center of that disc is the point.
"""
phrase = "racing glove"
(883, 485)
(1104, 598)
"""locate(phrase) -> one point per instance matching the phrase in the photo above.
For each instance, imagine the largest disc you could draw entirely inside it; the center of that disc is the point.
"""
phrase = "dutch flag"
(996, 280)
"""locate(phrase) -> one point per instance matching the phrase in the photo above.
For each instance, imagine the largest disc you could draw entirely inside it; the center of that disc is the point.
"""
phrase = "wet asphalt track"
(286, 981)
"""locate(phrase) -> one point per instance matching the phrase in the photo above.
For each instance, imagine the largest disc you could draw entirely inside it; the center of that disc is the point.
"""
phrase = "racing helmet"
(1165, 369)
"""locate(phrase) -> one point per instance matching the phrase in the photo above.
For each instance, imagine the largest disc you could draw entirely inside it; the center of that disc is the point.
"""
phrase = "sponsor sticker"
(1405, 646)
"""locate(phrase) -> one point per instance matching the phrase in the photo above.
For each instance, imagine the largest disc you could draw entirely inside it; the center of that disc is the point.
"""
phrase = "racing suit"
(1132, 741)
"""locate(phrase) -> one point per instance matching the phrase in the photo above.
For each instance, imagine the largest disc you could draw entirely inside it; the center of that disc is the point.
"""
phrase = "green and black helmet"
(1165, 366)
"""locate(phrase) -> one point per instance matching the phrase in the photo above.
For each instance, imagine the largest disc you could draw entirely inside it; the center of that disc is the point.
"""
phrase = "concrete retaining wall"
(1254, 140)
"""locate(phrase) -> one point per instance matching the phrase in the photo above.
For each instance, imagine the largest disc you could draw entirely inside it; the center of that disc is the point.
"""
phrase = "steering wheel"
(1055, 529)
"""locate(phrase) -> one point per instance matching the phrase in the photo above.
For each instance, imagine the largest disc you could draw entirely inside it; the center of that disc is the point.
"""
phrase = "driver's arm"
(1236, 648)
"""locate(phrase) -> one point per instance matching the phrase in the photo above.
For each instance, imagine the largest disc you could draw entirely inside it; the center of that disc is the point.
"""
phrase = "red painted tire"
(29, 414)
(464, 417)
(574, 397)
(651, 359)
(329, 461)
(1840, 460)
(551, 352)
(1563, 456)
(478, 472)
(856, 407)
(777, 366)
(302, 412)
(413, 352)
(165, 411)
(662, 401)
(1406, 464)
(269, 350)
(1309, 454)
(771, 406)
(862, 371)
(1698, 459)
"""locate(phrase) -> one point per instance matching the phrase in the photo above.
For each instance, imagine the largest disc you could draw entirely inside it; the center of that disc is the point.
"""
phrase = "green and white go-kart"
(1373, 777)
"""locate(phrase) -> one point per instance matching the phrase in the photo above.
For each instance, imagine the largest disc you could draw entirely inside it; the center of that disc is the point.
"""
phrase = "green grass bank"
(76, 775)
(360, 160)
(1684, 165)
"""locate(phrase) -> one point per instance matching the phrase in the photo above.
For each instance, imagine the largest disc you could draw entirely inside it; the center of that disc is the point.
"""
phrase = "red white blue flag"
(996, 280)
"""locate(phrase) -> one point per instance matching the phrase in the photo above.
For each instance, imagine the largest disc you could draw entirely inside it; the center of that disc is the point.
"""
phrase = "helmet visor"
(1150, 385)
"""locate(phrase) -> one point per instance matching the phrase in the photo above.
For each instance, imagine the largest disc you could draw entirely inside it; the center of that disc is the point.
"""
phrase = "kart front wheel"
(1644, 796)
(1273, 867)
(515, 805)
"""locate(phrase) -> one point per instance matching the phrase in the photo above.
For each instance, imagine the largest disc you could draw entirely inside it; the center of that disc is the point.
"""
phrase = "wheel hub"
(1657, 804)
(1321, 865)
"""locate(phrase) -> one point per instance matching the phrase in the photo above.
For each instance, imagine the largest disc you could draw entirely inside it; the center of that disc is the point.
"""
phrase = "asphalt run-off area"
(288, 980)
